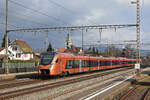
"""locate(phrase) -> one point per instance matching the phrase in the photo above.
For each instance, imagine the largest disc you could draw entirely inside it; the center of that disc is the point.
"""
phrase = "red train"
(64, 64)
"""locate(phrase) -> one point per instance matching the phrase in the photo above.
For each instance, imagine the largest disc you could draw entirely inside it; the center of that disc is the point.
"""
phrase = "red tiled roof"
(73, 49)
(1, 49)
(62, 50)
(23, 46)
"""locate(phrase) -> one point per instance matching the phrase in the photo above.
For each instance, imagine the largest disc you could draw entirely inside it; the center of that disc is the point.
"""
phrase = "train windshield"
(47, 58)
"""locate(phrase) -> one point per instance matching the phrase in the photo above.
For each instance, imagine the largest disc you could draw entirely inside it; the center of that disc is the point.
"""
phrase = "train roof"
(70, 55)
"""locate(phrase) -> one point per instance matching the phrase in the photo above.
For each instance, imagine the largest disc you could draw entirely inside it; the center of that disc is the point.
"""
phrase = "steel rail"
(30, 90)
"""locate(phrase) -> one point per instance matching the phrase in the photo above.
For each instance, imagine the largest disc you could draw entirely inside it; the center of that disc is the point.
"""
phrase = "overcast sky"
(56, 13)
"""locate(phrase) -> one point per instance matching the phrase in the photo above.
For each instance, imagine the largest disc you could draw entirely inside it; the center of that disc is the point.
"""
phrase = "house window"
(25, 55)
(18, 55)
(31, 56)
(14, 48)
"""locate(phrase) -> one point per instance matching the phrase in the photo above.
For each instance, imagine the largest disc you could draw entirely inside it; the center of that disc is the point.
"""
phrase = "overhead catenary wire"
(10, 25)
(59, 5)
(37, 11)
(25, 19)
(66, 9)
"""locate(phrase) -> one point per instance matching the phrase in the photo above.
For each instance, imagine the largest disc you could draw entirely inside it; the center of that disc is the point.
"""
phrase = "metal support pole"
(6, 40)
(82, 43)
(46, 40)
(138, 36)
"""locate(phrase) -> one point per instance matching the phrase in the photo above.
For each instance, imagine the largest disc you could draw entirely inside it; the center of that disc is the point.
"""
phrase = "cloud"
(146, 2)
(123, 1)
(81, 12)
(91, 18)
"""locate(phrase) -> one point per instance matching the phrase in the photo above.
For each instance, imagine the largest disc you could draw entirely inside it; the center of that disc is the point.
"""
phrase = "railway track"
(29, 90)
(21, 82)
(18, 83)
(138, 92)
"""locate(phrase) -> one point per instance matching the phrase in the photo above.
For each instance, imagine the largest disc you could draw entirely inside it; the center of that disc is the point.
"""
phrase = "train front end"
(46, 64)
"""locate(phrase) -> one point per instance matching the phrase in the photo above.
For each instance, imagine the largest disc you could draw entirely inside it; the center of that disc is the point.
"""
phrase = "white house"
(19, 50)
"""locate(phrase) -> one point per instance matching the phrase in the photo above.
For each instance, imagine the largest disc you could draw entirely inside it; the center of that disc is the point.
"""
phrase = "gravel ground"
(42, 94)
(14, 81)
(41, 83)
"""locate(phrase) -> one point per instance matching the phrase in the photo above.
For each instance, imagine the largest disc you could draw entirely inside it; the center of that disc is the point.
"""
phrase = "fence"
(17, 67)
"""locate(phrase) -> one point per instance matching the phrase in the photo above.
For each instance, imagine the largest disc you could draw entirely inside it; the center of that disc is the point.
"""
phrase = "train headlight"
(52, 66)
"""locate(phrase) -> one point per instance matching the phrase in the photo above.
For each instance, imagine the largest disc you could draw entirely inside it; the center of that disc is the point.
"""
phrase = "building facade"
(19, 50)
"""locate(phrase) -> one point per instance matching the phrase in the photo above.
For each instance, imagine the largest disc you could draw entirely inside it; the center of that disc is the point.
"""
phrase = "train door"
(58, 66)
(80, 66)
(111, 63)
(62, 64)
(98, 65)
(70, 68)
(89, 64)
(74, 65)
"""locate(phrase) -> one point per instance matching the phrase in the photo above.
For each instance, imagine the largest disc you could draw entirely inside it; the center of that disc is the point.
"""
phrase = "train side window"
(93, 63)
(57, 60)
(86, 63)
(106, 63)
(90, 63)
(101, 63)
(82, 63)
(96, 62)
(76, 64)
(69, 64)
(113, 62)
(109, 63)
(118, 63)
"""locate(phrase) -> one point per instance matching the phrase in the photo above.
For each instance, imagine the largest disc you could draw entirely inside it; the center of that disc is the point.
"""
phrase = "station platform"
(18, 75)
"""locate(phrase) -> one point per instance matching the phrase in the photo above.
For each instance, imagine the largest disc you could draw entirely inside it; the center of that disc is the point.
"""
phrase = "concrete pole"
(6, 40)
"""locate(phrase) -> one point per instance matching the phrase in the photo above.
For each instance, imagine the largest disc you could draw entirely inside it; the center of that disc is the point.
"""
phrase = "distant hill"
(144, 52)
(102, 49)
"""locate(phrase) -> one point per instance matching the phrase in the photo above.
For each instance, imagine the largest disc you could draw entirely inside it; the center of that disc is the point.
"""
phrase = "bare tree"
(128, 52)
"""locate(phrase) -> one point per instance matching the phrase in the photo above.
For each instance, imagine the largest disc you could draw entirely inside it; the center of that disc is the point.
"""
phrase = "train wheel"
(65, 73)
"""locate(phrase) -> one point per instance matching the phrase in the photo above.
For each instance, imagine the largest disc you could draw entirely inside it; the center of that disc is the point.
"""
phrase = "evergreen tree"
(96, 51)
(128, 51)
(3, 42)
(50, 49)
(93, 49)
